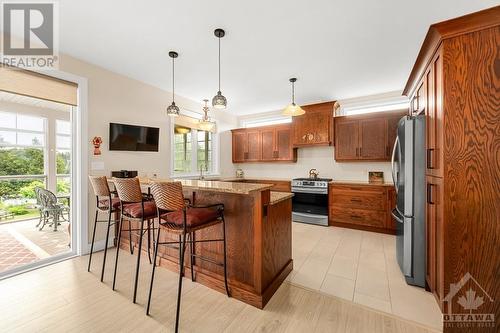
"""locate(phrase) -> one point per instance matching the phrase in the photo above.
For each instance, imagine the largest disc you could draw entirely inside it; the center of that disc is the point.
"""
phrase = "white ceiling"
(337, 49)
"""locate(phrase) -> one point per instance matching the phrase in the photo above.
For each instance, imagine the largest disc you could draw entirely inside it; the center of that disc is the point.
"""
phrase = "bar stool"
(105, 203)
(134, 206)
(176, 215)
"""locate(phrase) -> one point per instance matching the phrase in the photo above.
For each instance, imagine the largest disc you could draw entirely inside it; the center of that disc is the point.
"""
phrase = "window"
(265, 121)
(192, 150)
(22, 157)
(63, 156)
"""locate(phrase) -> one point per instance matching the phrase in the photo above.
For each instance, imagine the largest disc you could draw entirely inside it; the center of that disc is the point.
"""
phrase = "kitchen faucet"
(201, 171)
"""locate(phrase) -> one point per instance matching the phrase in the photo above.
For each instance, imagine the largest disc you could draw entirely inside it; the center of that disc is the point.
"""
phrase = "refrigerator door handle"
(393, 164)
(396, 215)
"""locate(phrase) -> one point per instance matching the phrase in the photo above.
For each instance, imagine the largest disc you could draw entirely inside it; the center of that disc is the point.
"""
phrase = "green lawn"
(32, 213)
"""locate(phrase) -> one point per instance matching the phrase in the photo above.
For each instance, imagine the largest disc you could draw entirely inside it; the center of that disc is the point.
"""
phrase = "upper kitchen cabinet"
(263, 144)
(315, 127)
(247, 146)
(367, 137)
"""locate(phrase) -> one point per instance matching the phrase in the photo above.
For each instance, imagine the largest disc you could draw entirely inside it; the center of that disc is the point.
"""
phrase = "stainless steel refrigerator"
(408, 173)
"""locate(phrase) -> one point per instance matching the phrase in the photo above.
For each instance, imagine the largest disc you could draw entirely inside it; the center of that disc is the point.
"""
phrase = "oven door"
(310, 201)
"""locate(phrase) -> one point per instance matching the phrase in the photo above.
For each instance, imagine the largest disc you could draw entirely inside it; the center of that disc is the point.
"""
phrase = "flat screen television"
(133, 138)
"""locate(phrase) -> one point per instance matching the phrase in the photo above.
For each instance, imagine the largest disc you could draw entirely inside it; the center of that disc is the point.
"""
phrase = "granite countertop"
(215, 186)
(279, 196)
(361, 182)
(235, 179)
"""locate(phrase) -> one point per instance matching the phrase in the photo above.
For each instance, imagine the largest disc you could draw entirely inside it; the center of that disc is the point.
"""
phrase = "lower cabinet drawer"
(358, 216)
(358, 199)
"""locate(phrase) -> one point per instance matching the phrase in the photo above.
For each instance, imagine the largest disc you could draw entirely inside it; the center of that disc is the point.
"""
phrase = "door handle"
(355, 200)
(393, 173)
(430, 162)
(430, 199)
(360, 151)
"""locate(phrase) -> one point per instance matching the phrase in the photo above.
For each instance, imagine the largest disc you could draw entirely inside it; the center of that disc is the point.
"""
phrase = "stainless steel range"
(310, 200)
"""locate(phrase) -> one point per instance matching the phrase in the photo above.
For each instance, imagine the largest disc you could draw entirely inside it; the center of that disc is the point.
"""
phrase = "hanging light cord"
(219, 63)
(173, 80)
(293, 93)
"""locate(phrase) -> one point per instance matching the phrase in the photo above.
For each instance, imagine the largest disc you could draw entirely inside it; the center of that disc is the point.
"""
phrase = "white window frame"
(194, 173)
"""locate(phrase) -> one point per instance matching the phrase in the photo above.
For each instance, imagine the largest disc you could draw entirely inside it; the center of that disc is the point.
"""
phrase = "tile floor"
(22, 243)
(361, 267)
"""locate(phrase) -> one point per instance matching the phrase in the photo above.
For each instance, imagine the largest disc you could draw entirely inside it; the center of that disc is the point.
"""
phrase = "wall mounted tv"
(133, 138)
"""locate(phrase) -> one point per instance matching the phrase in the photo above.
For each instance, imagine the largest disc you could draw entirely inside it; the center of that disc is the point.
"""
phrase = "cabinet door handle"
(360, 151)
(430, 162)
(356, 217)
(430, 199)
(355, 200)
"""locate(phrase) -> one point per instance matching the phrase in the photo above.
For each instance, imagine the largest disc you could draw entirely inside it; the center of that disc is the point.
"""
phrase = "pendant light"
(205, 123)
(293, 109)
(219, 101)
(173, 110)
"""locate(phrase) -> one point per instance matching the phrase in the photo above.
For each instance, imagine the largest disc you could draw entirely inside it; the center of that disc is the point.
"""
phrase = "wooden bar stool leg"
(106, 246)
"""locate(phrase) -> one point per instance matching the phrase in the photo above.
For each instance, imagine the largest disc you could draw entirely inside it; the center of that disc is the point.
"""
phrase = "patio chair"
(38, 206)
(52, 210)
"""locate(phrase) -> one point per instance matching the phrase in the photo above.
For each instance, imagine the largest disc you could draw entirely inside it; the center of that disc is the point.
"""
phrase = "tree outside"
(17, 196)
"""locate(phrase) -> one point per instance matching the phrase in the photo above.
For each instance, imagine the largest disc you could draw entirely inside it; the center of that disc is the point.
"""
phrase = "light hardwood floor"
(65, 298)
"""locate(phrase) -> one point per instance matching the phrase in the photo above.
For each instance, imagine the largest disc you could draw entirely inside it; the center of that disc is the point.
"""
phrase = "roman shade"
(190, 122)
(27, 83)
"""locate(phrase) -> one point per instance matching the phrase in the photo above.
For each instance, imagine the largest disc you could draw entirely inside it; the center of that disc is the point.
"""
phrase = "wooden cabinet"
(366, 206)
(366, 137)
(246, 146)
(373, 139)
(434, 236)
(453, 82)
(263, 144)
(315, 127)
(240, 140)
(433, 113)
(346, 139)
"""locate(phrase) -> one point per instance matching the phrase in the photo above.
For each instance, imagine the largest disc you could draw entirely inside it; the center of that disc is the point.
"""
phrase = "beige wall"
(116, 98)
(320, 158)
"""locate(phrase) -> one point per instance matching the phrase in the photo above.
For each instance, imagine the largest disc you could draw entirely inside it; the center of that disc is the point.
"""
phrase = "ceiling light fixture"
(219, 101)
(173, 110)
(205, 123)
(293, 109)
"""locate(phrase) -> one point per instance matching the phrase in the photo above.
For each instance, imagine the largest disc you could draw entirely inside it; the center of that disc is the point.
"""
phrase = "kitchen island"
(258, 235)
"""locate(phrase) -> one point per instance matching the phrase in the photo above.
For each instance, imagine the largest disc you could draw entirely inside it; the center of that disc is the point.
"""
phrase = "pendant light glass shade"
(205, 123)
(293, 109)
(173, 110)
(219, 101)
